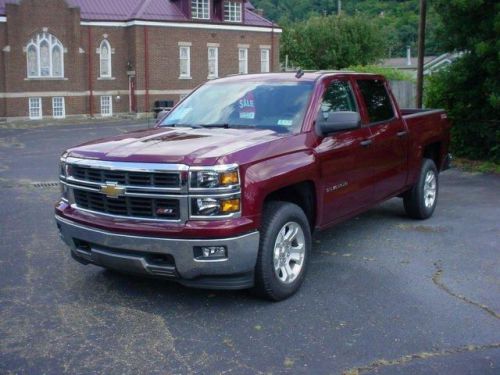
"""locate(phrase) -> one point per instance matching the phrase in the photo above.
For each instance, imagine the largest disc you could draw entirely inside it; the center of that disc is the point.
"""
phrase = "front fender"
(268, 176)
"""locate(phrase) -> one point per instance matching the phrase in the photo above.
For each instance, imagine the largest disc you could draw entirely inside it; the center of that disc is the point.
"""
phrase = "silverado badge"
(112, 190)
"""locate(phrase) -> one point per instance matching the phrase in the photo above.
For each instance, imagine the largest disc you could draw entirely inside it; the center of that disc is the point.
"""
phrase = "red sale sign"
(247, 106)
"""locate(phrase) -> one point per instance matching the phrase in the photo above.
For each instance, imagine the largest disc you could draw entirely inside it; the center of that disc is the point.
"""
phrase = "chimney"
(408, 55)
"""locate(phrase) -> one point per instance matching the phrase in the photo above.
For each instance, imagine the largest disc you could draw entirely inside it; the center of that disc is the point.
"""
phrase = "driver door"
(343, 159)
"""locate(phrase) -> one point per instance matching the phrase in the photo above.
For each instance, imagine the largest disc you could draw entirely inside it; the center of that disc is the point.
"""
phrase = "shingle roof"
(150, 10)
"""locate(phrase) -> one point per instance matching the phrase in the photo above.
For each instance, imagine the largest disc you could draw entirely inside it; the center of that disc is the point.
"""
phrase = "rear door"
(343, 160)
(389, 139)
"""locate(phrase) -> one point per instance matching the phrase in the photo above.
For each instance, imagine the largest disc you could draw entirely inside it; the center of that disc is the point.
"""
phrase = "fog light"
(210, 252)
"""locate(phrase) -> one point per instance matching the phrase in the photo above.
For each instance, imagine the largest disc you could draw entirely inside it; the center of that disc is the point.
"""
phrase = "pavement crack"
(437, 279)
(380, 363)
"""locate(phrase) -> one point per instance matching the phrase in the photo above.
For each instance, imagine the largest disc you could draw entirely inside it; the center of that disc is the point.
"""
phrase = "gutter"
(91, 96)
(146, 68)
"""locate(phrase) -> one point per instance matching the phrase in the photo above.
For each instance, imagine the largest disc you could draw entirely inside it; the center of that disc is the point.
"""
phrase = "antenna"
(299, 73)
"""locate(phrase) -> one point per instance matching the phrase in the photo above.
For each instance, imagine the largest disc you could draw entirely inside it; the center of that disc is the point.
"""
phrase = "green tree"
(470, 90)
(398, 19)
(332, 42)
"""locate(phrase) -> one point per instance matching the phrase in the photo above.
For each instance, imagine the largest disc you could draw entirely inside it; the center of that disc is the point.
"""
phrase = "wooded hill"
(398, 19)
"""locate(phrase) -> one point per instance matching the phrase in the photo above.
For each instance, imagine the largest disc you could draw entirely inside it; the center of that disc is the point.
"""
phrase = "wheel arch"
(433, 151)
(303, 194)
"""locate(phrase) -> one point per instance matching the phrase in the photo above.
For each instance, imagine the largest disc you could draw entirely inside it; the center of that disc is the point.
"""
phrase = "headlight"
(211, 179)
(64, 192)
(63, 173)
(215, 206)
(63, 169)
(215, 192)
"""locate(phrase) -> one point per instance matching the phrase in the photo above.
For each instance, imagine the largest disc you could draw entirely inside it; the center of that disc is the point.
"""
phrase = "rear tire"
(420, 201)
(285, 245)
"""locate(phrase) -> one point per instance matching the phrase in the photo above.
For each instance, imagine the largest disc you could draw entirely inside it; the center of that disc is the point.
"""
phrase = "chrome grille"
(146, 179)
(136, 207)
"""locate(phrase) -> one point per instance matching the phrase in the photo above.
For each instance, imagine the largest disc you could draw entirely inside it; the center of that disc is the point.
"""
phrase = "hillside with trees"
(397, 20)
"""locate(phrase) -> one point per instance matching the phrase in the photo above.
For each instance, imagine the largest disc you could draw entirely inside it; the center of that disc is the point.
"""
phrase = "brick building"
(104, 57)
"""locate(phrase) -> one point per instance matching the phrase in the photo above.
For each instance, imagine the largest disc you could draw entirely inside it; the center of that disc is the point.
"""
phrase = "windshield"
(279, 106)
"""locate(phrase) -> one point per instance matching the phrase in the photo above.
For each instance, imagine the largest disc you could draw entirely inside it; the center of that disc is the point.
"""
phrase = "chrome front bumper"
(163, 257)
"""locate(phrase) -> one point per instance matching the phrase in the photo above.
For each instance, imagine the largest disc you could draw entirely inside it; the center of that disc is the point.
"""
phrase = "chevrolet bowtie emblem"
(112, 190)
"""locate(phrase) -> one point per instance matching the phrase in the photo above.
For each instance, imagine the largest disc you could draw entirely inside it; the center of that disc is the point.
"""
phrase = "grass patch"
(480, 166)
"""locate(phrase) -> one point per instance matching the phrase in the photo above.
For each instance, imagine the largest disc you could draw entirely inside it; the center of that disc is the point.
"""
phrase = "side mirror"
(338, 121)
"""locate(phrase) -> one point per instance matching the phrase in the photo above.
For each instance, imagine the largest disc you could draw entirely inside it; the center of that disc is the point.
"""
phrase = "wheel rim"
(289, 252)
(430, 189)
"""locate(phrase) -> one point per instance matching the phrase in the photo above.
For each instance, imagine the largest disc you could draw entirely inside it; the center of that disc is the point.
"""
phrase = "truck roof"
(309, 76)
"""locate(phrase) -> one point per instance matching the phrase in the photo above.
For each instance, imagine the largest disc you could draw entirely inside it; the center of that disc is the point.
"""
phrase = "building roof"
(402, 62)
(147, 10)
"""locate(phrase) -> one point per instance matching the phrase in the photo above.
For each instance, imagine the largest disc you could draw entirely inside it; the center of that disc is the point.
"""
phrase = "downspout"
(272, 48)
(146, 68)
(91, 96)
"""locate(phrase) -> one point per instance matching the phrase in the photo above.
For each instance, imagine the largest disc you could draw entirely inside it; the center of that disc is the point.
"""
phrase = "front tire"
(285, 245)
(420, 201)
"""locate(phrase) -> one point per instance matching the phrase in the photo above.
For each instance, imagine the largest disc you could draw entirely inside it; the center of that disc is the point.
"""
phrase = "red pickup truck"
(227, 189)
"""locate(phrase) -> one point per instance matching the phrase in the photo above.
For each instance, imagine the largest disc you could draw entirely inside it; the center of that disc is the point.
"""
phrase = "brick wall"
(29, 17)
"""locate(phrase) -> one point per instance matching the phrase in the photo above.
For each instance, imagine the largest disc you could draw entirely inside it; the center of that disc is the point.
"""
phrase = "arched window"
(45, 56)
(105, 58)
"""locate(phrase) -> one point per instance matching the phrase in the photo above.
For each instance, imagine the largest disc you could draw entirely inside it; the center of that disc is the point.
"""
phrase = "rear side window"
(338, 97)
(377, 100)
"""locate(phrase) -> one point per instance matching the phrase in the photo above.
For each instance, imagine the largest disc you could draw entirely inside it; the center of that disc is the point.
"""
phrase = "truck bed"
(405, 112)
(426, 127)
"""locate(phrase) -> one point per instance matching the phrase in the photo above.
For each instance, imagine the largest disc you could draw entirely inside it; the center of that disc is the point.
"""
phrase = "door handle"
(402, 133)
(366, 142)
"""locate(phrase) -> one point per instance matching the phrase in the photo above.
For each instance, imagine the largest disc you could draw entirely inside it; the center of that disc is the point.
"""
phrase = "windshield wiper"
(223, 126)
(227, 126)
(183, 126)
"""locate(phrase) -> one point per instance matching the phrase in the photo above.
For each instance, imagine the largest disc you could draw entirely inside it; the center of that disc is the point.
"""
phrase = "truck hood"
(174, 145)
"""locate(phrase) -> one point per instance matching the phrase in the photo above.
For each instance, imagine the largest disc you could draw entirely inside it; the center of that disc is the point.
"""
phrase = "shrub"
(463, 91)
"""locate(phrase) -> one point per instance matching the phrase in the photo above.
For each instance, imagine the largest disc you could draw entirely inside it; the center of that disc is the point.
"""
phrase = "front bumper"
(163, 257)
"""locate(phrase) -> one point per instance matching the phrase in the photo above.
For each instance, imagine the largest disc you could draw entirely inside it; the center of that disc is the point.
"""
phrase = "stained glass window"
(45, 56)
(105, 59)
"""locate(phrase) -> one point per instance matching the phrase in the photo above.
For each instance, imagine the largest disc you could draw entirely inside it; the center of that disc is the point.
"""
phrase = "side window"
(338, 98)
(377, 100)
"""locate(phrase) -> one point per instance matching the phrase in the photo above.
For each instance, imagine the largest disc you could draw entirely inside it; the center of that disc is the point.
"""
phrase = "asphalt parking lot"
(384, 294)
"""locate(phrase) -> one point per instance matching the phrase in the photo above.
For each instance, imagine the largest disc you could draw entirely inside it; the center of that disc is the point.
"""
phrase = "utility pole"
(339, 7)
(421, 52)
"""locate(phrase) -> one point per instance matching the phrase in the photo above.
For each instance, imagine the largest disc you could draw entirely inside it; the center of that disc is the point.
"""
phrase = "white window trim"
(197, 16)
(110, 114)
(40, 110)
(110, 75)
(245, 60)
(268, 61)
(188, 72)
(36, 41)
(63, 101)
(232, 13)
(216, 75)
